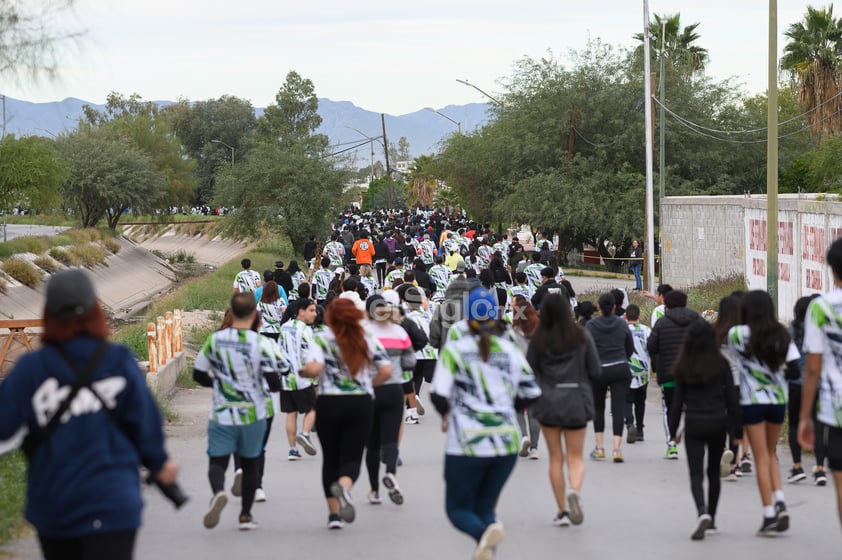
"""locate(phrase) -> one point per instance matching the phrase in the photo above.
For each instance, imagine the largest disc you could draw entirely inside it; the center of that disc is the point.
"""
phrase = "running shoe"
(617, 457)
(781, 516)
(725, 463)
(703, 524)
(334, 521)
(303, 440)
(732, 476)
(598, 453)
(640, 434)
(346, 506)
(533, 454)
(738, 471)
(391, 484)
(672, 453)
(631, 434)
(247, 523)
(796, 475)
(293, 455)
(217, 504)
(820, 478)
(574, 503)
(524, 447)
(411, 420)
(259, 495)
(420, 407)
(374, 498)
(769, 527)
(492, 536)
(712, 530)
(562, 520)
(237, 485)
(745, 463)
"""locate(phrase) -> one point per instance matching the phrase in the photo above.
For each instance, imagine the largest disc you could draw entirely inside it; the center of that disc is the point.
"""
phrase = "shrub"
(22, 271)
(88, 255)
(46, 263)
(86, 235)
(62, 240)
(112, 245)
(12, 493)
(64, 257)
(134, 336)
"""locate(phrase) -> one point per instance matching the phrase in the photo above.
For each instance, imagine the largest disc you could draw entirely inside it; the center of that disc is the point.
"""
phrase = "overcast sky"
(394, 57)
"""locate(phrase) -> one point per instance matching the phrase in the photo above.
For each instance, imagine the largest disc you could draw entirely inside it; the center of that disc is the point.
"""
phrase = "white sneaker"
(492, 536)
(411, 420)
(374, 498)
(217, 504)
(524, 446)
(391, 484)
(725, 463)
(533, 454)
(420, 407)
(259, 495)
(237, 485)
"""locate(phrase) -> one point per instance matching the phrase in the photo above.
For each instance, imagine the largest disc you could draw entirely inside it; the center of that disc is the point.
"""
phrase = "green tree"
(228, 119)
(293, 120)
(31, 173)
(684, 57)
(29, 42)
(107, 176)
(811, 57)
(142, 124)
(423, 181)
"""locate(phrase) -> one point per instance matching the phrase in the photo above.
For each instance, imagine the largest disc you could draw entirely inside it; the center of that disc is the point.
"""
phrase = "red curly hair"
(345, 320)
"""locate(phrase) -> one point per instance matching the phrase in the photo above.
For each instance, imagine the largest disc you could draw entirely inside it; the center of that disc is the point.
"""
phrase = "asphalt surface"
(19, 230)
(635, 510)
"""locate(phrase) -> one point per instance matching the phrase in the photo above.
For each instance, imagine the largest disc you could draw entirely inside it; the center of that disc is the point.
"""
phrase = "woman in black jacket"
(564, 359)
(615, 345)
(705, 393)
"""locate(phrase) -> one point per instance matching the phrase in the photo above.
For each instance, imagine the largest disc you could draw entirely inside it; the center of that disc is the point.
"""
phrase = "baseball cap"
(69, 293)
(279, 264)
(480, 305)
(339, 270)
(460, 267)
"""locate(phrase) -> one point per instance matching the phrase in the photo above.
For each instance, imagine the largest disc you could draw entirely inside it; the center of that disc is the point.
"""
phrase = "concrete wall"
(708, 236)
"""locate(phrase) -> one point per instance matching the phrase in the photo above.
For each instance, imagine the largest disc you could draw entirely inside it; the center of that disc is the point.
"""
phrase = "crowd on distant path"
(389, 303)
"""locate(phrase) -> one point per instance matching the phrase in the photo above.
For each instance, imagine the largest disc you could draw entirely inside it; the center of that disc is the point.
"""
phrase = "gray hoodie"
(449, 312)
(612, 337)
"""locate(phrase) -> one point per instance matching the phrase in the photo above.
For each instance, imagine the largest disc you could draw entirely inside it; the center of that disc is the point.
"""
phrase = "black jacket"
(309, 250)
(283, 279)
(612, 337)
(551, 287)
(665, 341)
(706, 403)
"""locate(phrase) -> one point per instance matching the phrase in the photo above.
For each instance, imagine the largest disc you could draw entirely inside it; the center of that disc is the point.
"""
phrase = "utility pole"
(662, 166)
(388, 168)
(649, 247)
(772, 159)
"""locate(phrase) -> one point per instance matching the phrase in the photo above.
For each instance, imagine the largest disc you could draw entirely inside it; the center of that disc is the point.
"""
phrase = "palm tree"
(682, 55)
(423, 181)
(812, 59)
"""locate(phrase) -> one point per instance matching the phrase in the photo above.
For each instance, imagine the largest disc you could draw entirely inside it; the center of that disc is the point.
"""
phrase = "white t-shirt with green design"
(823, 335)
(247, 281)
(758, 384)
(295, 341)
(639, 363)
(483, 421)
(238, 358)
(336, 380)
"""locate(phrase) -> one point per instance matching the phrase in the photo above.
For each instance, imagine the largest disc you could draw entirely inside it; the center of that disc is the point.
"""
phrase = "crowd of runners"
(397, 309)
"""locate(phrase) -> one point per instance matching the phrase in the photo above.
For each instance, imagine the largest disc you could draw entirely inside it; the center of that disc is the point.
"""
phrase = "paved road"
(19, 230)
(640, 509)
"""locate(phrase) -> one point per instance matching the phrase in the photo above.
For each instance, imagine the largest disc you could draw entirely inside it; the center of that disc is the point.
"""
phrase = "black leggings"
(251, 476)
(636, 406)
(380, 270)
(343, 424)
(794, 410)
(698, 434)
(423, 371)
(114, 546)
(617, 379)
(385, 427)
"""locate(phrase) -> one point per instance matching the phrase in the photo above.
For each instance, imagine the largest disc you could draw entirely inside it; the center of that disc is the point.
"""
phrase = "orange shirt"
(363, 251)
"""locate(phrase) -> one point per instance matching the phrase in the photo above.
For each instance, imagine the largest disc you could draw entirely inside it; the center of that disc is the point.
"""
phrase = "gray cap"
(69, 293)
(460, 267)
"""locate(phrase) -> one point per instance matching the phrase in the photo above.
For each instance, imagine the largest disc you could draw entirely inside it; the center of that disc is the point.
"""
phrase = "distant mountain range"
(423, 129)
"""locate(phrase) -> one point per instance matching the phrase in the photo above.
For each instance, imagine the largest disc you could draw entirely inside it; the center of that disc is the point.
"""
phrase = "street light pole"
(772, 159)
(227, 146)
(649, 248)
(371, 140)
(469, 84)
(661, 149)
(457, 123)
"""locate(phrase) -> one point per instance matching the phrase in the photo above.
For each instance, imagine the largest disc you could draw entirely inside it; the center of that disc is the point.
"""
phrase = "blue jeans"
(473, 487)
(637, 279)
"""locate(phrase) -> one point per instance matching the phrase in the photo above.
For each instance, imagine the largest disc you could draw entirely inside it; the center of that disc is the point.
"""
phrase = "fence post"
(169, 335)
(177, 330)
(152, 346)
(162, 350)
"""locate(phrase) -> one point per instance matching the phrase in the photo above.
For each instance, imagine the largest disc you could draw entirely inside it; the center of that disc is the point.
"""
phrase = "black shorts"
(757, 413)
(408, 387)
(302, 401)
(832, 438)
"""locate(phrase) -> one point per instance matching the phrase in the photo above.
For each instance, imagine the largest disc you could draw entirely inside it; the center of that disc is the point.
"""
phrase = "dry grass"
(112, 245)
(47, 263)
(22, 271)
(88, 254)
(64, 257)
